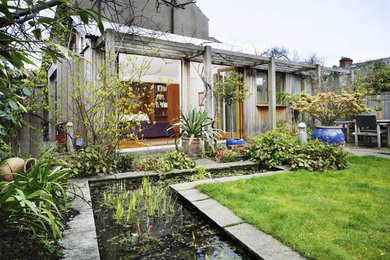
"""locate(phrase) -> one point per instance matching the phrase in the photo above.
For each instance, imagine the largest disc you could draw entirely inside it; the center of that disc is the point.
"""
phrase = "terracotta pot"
(29, 164)
(11, 165)
(192, 150)
(379, 115)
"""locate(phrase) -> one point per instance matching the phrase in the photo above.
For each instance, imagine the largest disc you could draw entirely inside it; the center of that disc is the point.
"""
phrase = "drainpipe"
(173, 18)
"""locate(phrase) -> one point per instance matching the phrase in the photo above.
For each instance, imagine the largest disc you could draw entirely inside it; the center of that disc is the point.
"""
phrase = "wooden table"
(385, 122)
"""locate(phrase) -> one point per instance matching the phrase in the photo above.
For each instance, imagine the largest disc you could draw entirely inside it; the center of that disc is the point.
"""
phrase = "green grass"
(322, 215)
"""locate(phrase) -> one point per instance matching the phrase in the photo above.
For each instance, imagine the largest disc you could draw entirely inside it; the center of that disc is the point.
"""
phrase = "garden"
(318, 200)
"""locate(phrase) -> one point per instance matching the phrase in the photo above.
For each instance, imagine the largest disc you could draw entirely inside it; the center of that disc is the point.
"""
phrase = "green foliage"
(318, 156)
(89, 161)
(196, 124)
(36, 200)
(225, 155)
(125, 162)
(275, 148)
(22, 32)
(145, 164)
(12, 106)
(103, 105)
(147, 201)
(174, 160)
(272, 148)
(164, 163)
(327, 107)
(372, 78)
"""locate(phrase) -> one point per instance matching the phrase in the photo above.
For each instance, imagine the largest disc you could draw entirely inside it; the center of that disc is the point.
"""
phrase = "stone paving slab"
(80, 240)
(219, 214)
(190, 185)
(236, 178)
(260, 243)
(193, 195)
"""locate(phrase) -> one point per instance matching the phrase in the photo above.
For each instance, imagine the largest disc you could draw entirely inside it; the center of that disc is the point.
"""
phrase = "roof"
(139, 41)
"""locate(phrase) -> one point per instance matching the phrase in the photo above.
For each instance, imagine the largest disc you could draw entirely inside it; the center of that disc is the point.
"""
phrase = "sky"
(358, 29)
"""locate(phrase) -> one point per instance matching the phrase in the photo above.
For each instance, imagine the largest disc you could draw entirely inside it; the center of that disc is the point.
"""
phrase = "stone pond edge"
(80, 239)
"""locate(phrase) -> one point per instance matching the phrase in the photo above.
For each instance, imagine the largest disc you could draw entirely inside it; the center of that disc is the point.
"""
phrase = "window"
(308, 86)
(297, 85)
(262, 85)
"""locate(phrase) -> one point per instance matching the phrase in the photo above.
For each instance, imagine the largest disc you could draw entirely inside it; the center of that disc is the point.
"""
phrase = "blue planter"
(330, 135)
(230, 142)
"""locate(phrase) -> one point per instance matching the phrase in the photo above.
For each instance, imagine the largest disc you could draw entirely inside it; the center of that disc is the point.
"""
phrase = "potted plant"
(327, 107)
(231, 90)
(196, 131)
(379, 111)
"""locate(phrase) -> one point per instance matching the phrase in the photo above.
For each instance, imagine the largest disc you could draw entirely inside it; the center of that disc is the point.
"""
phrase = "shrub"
(165, 163)
(36, 200)
(275, 148)
(318, 156)
(125, 162)
(145, 164)
(89, 161)
(174, 160)
(327, 107)
(226, 155)
(272, 148)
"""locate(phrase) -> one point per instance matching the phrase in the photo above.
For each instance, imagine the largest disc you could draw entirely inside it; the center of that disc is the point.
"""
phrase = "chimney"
(344, 62)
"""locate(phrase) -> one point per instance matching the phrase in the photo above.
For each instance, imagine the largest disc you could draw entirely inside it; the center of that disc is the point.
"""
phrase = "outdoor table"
(385, 122)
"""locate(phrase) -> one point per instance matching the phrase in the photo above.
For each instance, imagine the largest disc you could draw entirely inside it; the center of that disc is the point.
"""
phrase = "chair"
(367, 126)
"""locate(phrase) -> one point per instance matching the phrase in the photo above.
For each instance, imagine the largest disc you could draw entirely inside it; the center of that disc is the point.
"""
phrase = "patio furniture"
(367, 126)
(345, 124)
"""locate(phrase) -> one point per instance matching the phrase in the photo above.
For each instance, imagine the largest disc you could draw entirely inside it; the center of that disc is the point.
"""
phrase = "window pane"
(279, 85)
(279, 82)
(262, 90)
(308, 90)
(297, 85)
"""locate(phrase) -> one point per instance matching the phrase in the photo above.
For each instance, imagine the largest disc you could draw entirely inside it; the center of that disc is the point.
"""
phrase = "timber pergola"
(169, 46)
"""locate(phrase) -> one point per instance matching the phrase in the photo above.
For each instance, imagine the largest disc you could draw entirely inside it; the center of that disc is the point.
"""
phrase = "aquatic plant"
(147, 201)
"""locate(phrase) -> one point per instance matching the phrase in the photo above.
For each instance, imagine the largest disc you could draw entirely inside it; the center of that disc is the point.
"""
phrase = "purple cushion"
(152, 130)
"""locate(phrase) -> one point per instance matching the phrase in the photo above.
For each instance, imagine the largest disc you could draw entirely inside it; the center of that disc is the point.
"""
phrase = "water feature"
(141, 219)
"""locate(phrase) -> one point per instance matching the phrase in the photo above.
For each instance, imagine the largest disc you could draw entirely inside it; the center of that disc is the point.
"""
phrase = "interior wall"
(149, 69)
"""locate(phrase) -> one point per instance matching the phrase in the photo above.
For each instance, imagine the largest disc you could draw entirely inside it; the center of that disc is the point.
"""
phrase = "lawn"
(322, 215)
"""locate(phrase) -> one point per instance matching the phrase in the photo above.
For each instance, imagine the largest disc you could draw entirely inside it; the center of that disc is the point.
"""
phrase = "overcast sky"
(358, 29)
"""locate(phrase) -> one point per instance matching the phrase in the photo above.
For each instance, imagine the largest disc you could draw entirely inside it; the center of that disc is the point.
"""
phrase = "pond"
(143, 219)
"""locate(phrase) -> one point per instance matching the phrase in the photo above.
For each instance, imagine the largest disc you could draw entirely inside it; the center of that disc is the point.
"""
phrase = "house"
(191, 61)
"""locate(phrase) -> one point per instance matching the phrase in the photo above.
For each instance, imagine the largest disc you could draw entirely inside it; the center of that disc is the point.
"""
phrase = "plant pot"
(11, 165)
(230, 142)
(243, 157)
(329, 134)
(379, 115)
(194, 149)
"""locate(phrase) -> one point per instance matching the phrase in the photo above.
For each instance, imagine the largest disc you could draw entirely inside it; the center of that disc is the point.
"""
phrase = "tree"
(372, 78)
(231, 90)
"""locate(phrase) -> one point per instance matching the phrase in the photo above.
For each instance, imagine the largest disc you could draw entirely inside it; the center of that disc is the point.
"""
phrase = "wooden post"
(185, 85)
(319, 82)
(207, 81)
(272, 93)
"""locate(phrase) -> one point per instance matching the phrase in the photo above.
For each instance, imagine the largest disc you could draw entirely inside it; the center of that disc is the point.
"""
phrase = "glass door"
(223, 112)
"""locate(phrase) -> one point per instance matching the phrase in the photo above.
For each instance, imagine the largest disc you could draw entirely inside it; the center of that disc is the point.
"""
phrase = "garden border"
(80, 239)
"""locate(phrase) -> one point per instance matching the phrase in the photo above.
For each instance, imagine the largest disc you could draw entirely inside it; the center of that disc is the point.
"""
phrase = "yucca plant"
(196, 124)
(36, 200)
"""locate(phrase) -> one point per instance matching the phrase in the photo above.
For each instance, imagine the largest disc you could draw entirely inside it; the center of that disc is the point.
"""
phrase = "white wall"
(149, 69)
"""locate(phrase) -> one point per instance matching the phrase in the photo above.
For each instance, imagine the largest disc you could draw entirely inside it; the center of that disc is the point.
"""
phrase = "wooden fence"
(383, 100)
